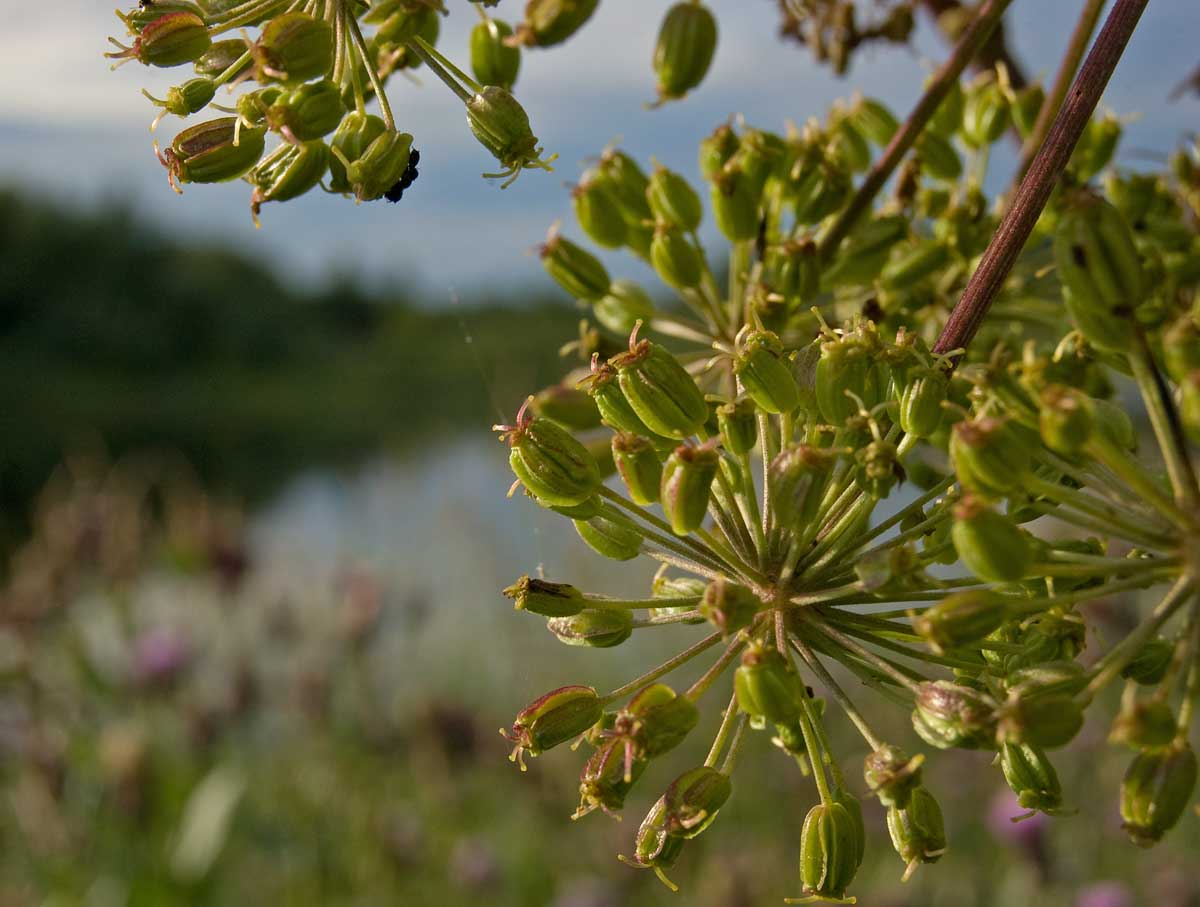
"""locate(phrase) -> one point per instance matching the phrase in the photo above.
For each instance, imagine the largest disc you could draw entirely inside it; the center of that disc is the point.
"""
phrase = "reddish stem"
(1044, 172)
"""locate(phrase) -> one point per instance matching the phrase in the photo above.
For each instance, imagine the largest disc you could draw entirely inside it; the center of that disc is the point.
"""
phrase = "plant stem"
(663, 669)
(966, 49)
(1044, 171)
(836, 691)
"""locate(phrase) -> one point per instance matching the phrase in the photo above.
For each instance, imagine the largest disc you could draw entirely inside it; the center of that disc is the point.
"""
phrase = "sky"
(76, 133)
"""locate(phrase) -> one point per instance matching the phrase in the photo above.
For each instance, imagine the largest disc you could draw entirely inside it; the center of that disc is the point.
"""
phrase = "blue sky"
(77, 133)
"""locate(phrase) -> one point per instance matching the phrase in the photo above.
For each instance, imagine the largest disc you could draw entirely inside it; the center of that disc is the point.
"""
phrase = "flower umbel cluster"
(766, 429)
(313, 67)
(307, 76)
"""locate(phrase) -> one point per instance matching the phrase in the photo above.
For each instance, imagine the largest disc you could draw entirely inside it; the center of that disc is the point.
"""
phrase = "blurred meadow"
(254, 524)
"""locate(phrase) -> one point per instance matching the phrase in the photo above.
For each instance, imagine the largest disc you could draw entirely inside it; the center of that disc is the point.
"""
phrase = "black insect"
(406, 179)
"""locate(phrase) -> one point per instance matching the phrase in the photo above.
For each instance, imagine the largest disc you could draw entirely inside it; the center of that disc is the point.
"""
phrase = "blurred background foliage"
(116, 334)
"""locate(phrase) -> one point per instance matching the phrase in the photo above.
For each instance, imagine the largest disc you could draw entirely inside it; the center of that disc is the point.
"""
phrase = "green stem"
(848, 706)
(1109, 666)
(1168, 431)
(700, 687)
(727, 721)
(663, 669)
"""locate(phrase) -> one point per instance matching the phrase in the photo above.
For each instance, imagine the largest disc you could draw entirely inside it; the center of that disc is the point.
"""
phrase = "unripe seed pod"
(686, 43)
(734, 205)
(686, 486)
(660, 390)
(502, 126)
(167, 40)
(615, 411)
(308, 112)
(380, 167)
(717, 149)
(1096, 147)
(831, 845)
(819, 188)
(1101, 327)
(948, 117)
(554, 718)
(294, 47)
(1031, 776)
(402, 21)
(761, 156)
(550, 463)
(625, 304)
(539, 596)
(673, 201)
(764, 373)
(607, 778)
(212, 152)
(639, 466)
(1066, 419)
(794, 270)
(494, 61)
(1149, 666)
(986, 115)
(184, 100)
(1096, 258)
(874, 121)
(145, 13)
(1047, 720)
(287, 172)
(877, 469)
(220, 56)
(675, 260)
(913, 265)
(962, 618)
(574, 268)
(1047, 677)
(767, 687)
(350, 142)
(849, 146)
(864, 253)
(918, 832)
(800, 475)
(617, 540)
(1144, 725)
(738, 426)
(656, 720)
(598, 213)
(597, 628)
(921, 402)
(570, 407)
(693, 799)
(989, 456)
(1157, 788)
(938, 157)
(1027, 106)
(951, 715)
(846, 364)
(728, 607)
(654, 847)
(550, 22)
(990, 544)
(892, 776)
(683, 587)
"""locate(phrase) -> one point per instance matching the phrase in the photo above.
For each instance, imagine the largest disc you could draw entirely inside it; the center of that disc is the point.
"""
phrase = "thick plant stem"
(1062, 81)
(966, 49)
(1044, 171)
